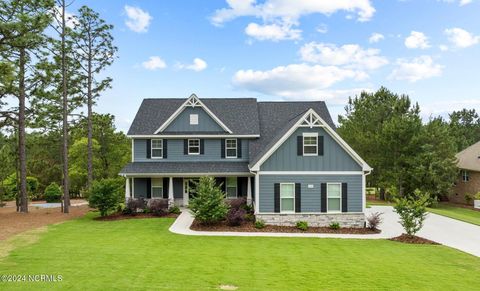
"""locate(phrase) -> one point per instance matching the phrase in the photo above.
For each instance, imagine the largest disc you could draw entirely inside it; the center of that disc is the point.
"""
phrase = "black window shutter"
(222, 148)
(185, 146)
(323, 197)
(239, 148)
(299, 145)
(149, 148)
(165, 148)
(202, 146)
(149, 188)
(320, 145)
(344, 197)
(298, 197)
(276, 197)
(165, 187)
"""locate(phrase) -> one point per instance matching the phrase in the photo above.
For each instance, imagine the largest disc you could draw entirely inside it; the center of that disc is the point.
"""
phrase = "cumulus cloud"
(274, 32)
(461, 38)
(350, 55)
(417, 39)
(416, 69)
(137, 20)
(154, 63)
(197, 65)
(375, 37)
(460, 2)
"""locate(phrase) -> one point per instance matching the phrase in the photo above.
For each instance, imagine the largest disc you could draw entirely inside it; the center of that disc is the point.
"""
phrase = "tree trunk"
(21, 134)
(89, 126)
(66, 193)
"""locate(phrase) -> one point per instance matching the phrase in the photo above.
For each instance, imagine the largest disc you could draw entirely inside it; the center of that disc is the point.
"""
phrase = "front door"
(188, 189)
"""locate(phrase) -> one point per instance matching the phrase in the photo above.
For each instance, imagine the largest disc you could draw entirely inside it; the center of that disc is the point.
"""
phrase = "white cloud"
(443, 48)
(70, 20)
(445, 107)
(197, 65)
(416, 69)
(351, 56)
(322, 28)
(375, 37)
(295, 80)
(274, 32)
(461, 2)
(137, 20)
(154, 63)
(417, 39)
(461, 38)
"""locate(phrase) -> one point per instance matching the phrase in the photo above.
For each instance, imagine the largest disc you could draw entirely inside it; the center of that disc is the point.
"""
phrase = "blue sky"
(292, 50)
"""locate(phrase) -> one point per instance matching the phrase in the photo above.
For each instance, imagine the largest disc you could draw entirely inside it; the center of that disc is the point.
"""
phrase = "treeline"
(51, 66)
(387, 131)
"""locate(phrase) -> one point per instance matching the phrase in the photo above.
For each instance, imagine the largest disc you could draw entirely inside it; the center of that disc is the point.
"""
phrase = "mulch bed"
(413, 239)
(121, 216)
(250, 227)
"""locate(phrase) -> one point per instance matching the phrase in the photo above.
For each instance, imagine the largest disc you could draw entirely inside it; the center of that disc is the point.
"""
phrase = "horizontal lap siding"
(310, 196)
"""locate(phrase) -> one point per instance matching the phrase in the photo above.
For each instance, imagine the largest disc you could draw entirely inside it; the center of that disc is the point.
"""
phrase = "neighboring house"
(468, 182)
(284, 157)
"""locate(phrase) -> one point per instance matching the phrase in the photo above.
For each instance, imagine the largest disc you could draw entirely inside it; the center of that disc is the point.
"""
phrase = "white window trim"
(340, 211)
(310, 134)
(465, 174)
(193, 154)
(151, 148)
(226, 188)
(193, 119)
(227, 148)
(289, 198)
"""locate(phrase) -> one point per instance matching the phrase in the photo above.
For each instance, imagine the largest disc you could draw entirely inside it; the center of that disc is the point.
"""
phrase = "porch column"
(170, 192)
(127, 189)
(249, 190)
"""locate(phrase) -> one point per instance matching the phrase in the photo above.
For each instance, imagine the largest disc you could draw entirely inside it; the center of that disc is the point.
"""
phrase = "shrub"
(130, 207)
(105, 195)
(158, 207)
(259, 224)
(248, 208)
(208, 206)
(174, 209)
(302, 225)
(249, 217)
(53, 193)
(236, 217)
(237, 203)
(468, 198)
(374, 220)
(412, 211)
(477, 196)
(334, 225)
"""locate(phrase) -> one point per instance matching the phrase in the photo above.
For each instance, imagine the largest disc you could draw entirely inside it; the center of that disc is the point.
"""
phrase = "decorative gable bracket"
(311, 120)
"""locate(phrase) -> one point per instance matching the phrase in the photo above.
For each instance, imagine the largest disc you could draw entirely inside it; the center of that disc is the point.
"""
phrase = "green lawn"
(143, 254)
(460, 213)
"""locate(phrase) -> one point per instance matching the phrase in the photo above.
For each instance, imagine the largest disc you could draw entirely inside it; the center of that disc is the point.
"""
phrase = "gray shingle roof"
(240, 115)
(184, 167)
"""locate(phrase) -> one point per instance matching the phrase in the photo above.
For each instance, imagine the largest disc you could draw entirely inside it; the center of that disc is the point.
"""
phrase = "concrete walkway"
(447, 231)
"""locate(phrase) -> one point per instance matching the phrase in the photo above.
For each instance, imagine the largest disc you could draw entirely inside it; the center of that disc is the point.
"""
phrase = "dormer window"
(193, 119)
(310, 144)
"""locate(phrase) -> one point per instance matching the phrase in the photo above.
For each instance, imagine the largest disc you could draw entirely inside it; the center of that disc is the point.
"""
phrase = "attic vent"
(193, 119)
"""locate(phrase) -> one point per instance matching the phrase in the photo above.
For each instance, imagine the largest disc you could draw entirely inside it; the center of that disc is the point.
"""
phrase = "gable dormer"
(193, 116)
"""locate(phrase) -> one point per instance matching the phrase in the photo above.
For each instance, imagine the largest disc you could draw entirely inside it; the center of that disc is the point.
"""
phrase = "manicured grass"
(455, 212)
(143, 254)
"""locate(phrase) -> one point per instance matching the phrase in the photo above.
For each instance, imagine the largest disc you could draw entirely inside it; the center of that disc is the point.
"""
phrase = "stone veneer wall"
(344, 219)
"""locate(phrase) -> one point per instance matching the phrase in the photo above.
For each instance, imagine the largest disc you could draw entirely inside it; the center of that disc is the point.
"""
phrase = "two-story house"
(284, 157)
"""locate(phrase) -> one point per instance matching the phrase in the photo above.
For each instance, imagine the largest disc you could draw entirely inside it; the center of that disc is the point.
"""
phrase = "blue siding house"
(285, 158)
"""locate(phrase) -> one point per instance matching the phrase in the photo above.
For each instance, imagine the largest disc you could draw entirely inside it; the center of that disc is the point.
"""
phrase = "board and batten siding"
(334, 158)
(310, 197)
(205, 123)
(175, 152)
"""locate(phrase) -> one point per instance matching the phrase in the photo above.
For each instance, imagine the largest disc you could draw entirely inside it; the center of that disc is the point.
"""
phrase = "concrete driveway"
(447, 231)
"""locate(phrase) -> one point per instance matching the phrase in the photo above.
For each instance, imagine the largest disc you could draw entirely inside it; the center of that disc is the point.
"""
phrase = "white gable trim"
(192, 101)
(312, 119)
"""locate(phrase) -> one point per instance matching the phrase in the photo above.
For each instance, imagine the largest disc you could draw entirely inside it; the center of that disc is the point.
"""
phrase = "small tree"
(53, 193)
(105, 195)
(412, 210)
(208, 206)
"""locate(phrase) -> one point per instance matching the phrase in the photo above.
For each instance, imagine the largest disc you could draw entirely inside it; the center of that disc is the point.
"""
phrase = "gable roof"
(469, 158)
(240, 115)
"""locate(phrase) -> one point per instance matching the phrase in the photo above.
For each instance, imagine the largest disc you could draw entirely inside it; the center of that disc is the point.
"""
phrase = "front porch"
(179, 190)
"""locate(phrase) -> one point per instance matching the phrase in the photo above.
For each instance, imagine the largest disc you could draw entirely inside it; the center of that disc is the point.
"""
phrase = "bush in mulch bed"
(141, 208)
(121, 216)
(250, 227)
(413, 239)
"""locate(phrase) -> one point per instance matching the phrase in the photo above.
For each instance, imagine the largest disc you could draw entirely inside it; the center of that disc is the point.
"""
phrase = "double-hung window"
(231, 148)
(231, 187)
(310, 144)
(193, 146)
(157, 149)
(465, 176)
(157, 188)
(287, 197)
(334, 197)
